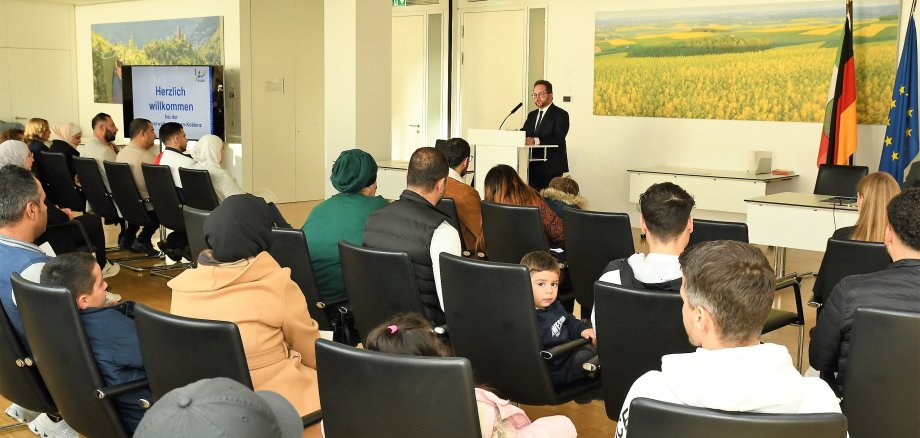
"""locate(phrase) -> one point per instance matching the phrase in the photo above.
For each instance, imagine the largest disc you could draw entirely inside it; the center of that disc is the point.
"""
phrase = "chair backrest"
(706, 230)
(98, 196)
(511, 231)
(418, 396)
(653, 418)
(379, 284)
(178, 351)
(839, 180)
(194, 228)
(64, 358)
(490, 313)
(289, 248)
(199, 189)
(20, 381)
(162, 189)
(449, 208)
(62, 189)
(592, 240)
(124, 191)
(881, 391)
(848, 257)
(635, 328)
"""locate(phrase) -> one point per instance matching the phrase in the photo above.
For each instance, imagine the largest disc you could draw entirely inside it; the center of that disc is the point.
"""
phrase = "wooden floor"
(590, 419)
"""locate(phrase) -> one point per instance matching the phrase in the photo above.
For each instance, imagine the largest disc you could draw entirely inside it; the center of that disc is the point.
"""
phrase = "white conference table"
(795, 220)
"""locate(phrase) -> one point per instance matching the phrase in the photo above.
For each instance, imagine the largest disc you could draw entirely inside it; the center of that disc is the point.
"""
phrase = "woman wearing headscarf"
(237, 280)
(37, 133)
(64, 240)
(65, 138)
(341, 217)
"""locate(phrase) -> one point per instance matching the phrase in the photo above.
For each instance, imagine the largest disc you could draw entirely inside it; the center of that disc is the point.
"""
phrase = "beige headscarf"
(207, 150)
(64, 132)
(13, 152)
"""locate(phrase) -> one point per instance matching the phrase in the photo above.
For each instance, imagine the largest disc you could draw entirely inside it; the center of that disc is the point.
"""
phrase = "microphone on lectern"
(519, 105)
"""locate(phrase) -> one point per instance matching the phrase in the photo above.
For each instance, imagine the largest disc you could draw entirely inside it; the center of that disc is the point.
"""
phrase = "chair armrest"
(793, 281)
(324, 304)
(592, 365)
(441, 329)
(312, 418)
(562, 348)
(114, 391)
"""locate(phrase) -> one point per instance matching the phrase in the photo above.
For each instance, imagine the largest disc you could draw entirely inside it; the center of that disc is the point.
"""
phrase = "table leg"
(779, 261)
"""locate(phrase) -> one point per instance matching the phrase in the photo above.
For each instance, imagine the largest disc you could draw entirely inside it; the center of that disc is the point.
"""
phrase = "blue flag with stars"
(901, 137)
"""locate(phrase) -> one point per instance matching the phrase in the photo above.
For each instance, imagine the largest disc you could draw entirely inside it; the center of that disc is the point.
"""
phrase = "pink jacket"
(494, 411)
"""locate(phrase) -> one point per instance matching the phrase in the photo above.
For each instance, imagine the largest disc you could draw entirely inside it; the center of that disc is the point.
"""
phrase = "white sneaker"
(21, 414)
(110, 270)
(114, 298)
(44, 427)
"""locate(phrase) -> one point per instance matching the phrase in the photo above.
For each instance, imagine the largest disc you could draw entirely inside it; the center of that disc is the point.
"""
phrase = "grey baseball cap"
(220, 407)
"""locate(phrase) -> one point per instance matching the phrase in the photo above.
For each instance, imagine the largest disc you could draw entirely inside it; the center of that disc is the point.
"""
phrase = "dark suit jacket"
(913, 176)
(552, 130)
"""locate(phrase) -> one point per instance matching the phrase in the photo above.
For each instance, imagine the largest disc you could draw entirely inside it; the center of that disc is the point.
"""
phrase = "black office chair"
(194, 227)
(882, 383)
(419, 396)
(839, 180)
(98, 196)
(61, 238)
(449, 207)
(592, 240)
(379, 283)
(707, 230)
(62, 190)
(635, 328)
(178, 351)
(167, 206)
(66, 362)
(652, 418)
(128, 199)
(844, 258)
(511, 231)
(289, 248)
(492, 323)
(199, 189)
(20, 381)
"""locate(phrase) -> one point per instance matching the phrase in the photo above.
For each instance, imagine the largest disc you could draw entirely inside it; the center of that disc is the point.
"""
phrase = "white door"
(46, 92)
(408, 86)
(492, 71)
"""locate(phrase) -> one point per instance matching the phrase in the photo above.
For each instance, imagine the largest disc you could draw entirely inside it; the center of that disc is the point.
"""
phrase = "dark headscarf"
(353, 171)
(239, 228)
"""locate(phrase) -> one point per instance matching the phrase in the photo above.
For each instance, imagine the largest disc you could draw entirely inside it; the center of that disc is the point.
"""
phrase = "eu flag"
(901, 137)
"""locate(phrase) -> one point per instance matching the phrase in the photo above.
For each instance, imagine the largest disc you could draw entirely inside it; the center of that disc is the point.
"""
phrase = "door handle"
(415, 126)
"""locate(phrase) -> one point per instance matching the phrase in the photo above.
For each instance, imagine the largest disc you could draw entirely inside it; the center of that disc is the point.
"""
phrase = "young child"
(563, 192)
(118, 357)
(410, 334)
(556, 325)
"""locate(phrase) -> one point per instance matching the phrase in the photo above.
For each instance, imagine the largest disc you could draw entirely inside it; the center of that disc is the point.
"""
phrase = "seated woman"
(238, 281)
(873, 193)
(64, 140)
(504, 186)
(563, 192)
(341, 217)
(37, 133)
(68, 239)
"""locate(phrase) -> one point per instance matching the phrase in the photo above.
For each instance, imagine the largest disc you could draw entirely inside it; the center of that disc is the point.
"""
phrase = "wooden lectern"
(494, 147)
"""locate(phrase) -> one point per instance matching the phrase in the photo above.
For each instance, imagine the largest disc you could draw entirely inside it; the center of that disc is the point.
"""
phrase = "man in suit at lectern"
(548, 124)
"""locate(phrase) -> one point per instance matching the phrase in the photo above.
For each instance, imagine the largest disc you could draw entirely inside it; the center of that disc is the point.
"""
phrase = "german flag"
(838, 139)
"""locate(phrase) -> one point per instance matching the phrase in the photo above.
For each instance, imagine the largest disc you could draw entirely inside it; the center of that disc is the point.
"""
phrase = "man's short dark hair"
(426, 167)
(73, 271)
(545, 83)
(17, 189)
(456, 150)
(904, 217)
(137, 126)
(169, 130)
(666, 208)
(734, 282)
(100, 119)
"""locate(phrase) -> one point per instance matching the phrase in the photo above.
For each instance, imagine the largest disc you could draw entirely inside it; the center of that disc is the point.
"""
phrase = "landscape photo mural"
(182, 41)
(755, 62)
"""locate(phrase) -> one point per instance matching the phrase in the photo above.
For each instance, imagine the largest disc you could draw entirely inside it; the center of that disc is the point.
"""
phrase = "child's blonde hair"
(565, 184)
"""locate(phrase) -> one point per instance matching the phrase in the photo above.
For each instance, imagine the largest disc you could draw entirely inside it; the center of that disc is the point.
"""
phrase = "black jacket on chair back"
(407, 225)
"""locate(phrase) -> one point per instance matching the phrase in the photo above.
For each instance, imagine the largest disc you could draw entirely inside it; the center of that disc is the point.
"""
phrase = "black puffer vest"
(628, 279)
(407, 225)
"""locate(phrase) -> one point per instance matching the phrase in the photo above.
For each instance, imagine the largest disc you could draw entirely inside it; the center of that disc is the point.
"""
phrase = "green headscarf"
(353, 171)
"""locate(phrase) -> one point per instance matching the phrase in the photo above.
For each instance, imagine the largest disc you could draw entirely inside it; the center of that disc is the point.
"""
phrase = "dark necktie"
(539, 119)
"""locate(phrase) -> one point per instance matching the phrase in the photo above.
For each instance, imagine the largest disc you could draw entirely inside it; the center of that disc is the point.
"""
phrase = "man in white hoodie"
(727, 292)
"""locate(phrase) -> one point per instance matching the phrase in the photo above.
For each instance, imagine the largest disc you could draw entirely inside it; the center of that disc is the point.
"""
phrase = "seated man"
(413, 224)
(134, 154)
(118, 357)
(895, 288)
(469, 207)
(666, 221)
(727, 292)
(99, 146)
(172, 137)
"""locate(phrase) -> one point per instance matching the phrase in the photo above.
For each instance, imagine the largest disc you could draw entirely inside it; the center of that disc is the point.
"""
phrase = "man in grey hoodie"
(727, 292)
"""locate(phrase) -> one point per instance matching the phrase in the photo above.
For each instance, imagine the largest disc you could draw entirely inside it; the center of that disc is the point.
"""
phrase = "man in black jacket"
(548, 124)
(895, 288)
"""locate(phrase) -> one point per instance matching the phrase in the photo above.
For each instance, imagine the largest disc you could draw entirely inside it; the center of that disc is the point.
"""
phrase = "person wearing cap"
(237, 280)
(220, 407)
(341, 217)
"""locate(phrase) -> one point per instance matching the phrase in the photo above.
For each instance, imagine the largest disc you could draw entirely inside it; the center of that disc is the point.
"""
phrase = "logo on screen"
(199, 75)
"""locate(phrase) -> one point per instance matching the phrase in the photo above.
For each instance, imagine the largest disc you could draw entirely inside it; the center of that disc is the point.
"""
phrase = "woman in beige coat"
(238, 281)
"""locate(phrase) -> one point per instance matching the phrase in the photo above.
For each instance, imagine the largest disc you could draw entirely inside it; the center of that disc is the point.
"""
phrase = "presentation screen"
(191, 95)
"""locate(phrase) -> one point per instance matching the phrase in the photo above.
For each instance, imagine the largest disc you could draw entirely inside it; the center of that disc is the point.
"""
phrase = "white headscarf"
(13, 152)
(64, 132)
(207, 150)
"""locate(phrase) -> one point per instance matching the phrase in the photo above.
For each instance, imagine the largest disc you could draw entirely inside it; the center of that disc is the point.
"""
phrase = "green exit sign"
(399, 2)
